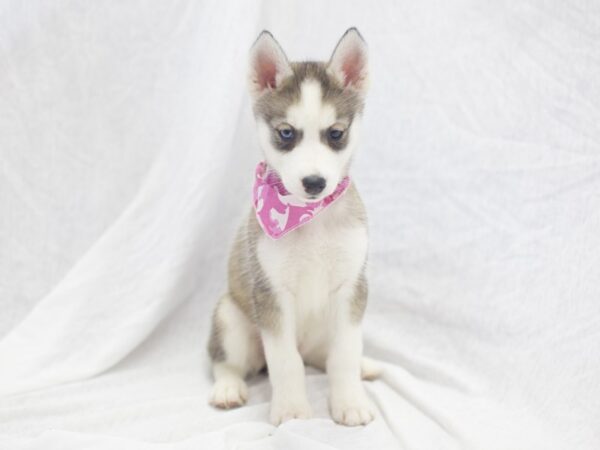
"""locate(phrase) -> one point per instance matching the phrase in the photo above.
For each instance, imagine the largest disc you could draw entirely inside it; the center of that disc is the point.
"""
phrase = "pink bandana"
(279, 212)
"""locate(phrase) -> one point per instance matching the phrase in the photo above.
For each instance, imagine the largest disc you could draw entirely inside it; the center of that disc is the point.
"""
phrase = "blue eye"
(287, 134)
(335, 134)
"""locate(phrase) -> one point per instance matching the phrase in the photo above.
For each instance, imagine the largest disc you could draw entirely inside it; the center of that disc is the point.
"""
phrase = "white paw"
(288, 408)
(352, 410)
(228, 394)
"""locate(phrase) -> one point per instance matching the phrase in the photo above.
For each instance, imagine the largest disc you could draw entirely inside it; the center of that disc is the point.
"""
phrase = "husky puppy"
(301, 298)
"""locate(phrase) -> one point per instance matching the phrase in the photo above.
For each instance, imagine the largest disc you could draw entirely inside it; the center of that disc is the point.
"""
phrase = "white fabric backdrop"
(127, 148)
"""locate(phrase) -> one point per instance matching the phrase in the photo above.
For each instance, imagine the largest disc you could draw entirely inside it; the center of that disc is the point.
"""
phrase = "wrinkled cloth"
(127, 154)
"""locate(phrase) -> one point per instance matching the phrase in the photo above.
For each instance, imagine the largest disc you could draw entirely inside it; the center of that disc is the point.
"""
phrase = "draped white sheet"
(127, 148)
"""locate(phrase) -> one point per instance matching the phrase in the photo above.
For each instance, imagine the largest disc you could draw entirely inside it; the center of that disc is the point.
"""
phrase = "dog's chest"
(313, 263)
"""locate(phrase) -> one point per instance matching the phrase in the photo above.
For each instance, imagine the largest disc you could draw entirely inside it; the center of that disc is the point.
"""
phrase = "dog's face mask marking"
(308, 114)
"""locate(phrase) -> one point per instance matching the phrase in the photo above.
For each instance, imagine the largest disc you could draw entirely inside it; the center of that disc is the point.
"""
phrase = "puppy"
(297, 285)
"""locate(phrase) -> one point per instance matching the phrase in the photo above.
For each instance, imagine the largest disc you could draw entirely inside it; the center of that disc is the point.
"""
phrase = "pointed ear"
(348, 62)
(268, 64)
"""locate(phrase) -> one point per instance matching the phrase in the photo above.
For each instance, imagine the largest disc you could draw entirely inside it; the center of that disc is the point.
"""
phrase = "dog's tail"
(370, 369)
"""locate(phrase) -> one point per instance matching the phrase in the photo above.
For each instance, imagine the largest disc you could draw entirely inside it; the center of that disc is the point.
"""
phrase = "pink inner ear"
(266, 71)
(353, 67)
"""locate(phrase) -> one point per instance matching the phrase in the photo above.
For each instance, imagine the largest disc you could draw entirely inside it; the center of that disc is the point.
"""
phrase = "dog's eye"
(287, 134)
(335, 134)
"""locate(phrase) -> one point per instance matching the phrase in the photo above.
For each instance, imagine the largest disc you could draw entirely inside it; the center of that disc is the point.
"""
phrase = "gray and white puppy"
(301, 299)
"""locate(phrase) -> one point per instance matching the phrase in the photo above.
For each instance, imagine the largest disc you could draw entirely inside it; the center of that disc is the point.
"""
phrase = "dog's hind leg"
(235, 351)
(369, 369)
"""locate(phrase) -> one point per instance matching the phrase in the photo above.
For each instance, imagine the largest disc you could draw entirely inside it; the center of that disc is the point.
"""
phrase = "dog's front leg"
(348, 399)
(286, 369)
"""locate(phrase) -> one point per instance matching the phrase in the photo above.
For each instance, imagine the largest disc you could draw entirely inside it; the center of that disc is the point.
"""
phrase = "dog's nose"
(313, 184)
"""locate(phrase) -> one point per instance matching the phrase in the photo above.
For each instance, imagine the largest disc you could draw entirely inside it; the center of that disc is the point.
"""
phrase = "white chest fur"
(310, 265)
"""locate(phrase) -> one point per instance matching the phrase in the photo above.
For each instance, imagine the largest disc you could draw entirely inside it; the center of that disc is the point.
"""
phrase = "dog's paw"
(352, 410)
(229, 393)
(288, 408)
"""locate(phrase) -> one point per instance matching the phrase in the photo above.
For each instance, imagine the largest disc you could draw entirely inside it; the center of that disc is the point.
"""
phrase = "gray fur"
(273, 104)
(359, 301)
(249, 287)
(215, 342)
(355, 214)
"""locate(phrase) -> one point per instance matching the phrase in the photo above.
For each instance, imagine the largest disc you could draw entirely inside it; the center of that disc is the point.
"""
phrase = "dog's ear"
(268, 64)
(348, 62)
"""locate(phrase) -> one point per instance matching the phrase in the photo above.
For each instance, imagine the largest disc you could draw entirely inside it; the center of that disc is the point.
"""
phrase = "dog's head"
(308, 113)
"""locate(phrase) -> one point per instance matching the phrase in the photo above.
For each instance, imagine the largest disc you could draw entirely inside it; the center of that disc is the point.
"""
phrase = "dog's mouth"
(312, 198)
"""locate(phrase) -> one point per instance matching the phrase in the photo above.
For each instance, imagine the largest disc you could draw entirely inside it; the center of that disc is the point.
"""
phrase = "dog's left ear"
(348, 62)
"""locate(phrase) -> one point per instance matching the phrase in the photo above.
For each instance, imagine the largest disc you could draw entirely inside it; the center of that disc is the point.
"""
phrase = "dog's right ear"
(268, 65)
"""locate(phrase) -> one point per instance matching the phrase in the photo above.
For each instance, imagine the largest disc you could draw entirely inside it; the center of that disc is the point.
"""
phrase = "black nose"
(313, 184)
